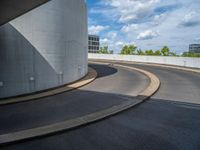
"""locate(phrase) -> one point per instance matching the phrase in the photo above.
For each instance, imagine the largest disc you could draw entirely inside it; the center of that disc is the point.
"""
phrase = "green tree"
(189, 54)
(149, 52)
(104, 50)
(128, 50)
(172, 54)
(165, 51)
(158, 53)
(140, 52)
(111, 51)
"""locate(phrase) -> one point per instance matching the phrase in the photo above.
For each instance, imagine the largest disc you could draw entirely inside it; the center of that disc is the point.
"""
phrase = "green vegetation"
(165, 51)
(149, 52)
(133, 50)
(140, 52)
(104, 50)
(128, 50)
(158, 53)
(189, 54)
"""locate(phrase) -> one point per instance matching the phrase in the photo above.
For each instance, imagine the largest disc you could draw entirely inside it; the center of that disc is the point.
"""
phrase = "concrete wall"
(45, 48)
(179, 61)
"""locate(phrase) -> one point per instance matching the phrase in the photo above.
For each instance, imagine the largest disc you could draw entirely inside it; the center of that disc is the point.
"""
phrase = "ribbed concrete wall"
(45, 48)
(178, 61)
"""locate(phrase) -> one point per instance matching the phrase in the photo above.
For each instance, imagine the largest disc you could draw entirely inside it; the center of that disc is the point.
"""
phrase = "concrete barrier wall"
(44, 48)
(179, 61)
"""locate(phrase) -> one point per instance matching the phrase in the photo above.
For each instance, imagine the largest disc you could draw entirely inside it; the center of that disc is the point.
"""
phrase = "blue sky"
(149, 24)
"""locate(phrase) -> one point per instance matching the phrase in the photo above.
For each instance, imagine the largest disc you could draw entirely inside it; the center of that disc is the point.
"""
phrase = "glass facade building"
(194, 48)
(93, 43)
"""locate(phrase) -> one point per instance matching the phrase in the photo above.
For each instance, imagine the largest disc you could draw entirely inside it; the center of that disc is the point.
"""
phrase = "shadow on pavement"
(53, 109)
(153, 125)
(103, 71)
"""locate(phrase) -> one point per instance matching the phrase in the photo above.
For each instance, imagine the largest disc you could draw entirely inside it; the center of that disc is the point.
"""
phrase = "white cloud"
(191, 19)
(112, 34)
(158, 19)
(119, 43)
(132, 10)
(148, 34)
(142, 19)
(129, 28)
(109, 40)
(105, 40)
(197, 39)
(97, 29)
(114, 44)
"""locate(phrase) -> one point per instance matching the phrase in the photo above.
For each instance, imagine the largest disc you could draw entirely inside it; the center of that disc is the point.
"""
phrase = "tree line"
(104, 50)
(133, 50)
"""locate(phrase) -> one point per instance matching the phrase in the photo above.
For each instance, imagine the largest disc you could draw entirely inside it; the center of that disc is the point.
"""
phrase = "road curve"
(169, 120)
(112, 87)
(177, 85)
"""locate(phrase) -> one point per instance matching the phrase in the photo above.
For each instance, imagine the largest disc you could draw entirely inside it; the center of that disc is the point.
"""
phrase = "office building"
(93, 43)
(194, 48)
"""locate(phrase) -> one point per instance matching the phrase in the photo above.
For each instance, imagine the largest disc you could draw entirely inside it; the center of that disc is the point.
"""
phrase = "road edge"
(23, 135)
(91, 76)
(194, 70)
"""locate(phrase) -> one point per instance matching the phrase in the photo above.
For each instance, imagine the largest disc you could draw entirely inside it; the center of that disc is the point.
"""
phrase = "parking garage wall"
(44, 48)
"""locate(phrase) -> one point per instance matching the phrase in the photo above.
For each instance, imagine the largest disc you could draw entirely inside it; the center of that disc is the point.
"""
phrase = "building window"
(93, 44)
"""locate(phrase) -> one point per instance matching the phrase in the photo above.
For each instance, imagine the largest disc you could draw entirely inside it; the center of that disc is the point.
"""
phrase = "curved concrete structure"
(11, 9)
(44, 48)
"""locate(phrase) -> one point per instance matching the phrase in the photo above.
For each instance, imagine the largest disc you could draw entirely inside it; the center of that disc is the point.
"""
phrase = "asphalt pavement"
(170, 120)
(112, 87)
(176, 85)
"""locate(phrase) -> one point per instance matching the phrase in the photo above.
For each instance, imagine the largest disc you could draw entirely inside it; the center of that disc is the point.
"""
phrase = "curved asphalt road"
(112, 86)
(168, 121)
(177, 85)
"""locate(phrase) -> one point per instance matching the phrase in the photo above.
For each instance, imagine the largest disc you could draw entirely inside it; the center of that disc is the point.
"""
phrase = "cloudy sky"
(150, 24)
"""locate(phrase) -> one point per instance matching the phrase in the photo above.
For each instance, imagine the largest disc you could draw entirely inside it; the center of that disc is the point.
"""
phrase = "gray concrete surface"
(44, 48)
(169, 60)
(10, 9)
(86, 100)
(170, 120)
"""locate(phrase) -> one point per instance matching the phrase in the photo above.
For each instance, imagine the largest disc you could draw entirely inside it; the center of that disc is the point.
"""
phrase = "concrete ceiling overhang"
(10, 9)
